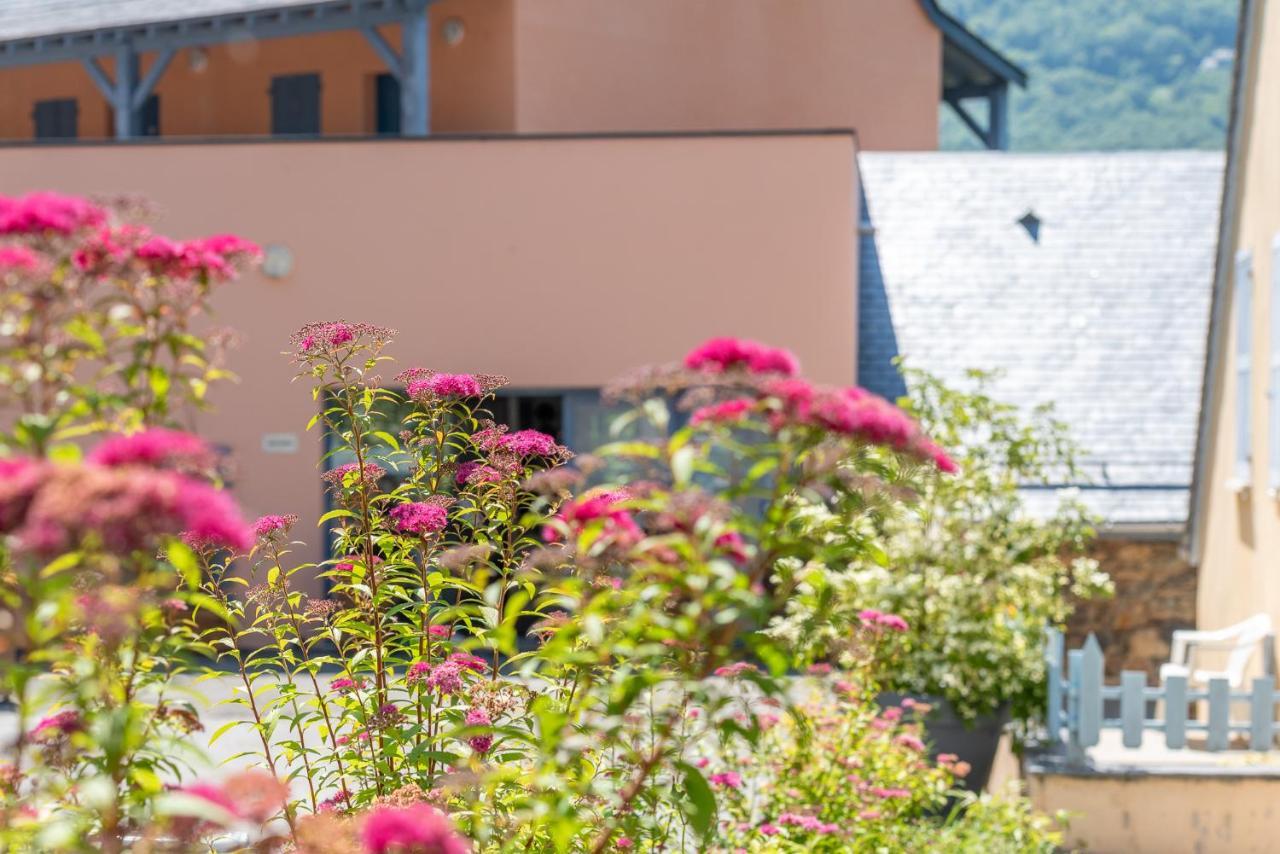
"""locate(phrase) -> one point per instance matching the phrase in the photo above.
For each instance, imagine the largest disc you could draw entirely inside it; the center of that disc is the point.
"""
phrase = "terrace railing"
(1079, 702)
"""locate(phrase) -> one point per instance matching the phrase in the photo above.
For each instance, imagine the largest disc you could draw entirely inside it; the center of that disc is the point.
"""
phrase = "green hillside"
(1109, 74)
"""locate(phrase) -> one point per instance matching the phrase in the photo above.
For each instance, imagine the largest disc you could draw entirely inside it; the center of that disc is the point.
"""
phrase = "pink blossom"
(415, 829)
(872, 618)
(335, 802)
(733, 546)
(720, 354)
(601, 508)
(445, 385)
(729, 671)
(342, 475)
(890, 793)
(156, 447)
(910, 742)
(472, 471)
(807, 822)
(57, 725)
(344, 685)
(45, 212)
(725, 412)
(446, 678)
(703, 762)
(624, 843)
(728, 779)
(419, 517)
(417, 673)
(20, 478)
(214, 794)
(820, 669)
(265, 526)
(869, 815)
(477, 716)
(439, 631)
(768, 829)
(467, 661)
(329, 337)
(20, 258)
(530, 443)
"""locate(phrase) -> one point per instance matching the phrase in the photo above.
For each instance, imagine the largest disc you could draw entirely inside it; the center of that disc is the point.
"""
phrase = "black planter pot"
(975, 743)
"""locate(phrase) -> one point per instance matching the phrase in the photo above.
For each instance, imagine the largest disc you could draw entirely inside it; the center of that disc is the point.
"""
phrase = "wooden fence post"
(1175, 712)
(1219, 735)
(1133, 706)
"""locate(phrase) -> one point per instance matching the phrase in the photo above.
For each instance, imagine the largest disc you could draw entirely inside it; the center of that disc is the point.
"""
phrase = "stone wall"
(1155, 594)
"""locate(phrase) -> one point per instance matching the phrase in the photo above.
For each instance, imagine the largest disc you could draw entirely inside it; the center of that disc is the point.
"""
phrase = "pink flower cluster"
(327, 337)
(807, 822)
(20, 258)
(207, 258)
(477, 716)
(722, 354)
(48, 213)
(724, 412)
(601, 508)
(419, 517)
(345, 685)
(368, 476)
(446, 677)
(415, 829)
(265, 527)
(122, 508)
(56, 726)
(530, 443)
(872, 618)
(473, 471)
(156, 447)
(250, 795)
(729, 671)
(726, 779)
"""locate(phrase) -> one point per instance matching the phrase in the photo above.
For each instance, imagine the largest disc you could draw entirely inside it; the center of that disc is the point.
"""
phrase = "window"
(56, 119)
(149, 117)
(1243, 300)
(1273, 376)
(386, 105)
(295, 105)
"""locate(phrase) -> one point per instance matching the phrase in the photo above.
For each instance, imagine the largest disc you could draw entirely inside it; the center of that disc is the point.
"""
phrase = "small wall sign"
(280, 443)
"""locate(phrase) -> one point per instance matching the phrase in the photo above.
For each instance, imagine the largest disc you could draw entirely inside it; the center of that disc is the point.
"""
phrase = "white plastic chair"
(1239, 643)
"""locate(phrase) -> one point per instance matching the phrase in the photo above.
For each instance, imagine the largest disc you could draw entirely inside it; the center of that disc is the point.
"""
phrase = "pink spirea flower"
(210, 259)
(446, 678)
(415, 829)
(724, 412)
(20, 478)
(738, 668)
(419, 517)
(343, 474)
(479, 717)
(265, 526)
(727, 779)
(417, 673)
(872, 618)
(769, 829)
(807, 822)
(439, 631)
(624, 843)
(329, 335)
(616, 522)
(156, 447)
(890, 793)
(530, 443)
(446, 385)
(910, 742)
(343, 685)
(214, 794)
(334, 803)
(20, 258)
(473, 471)
(733, 546)
(721, 354)
(57, 725)
(467, 661)
(820, 669)
(45, 212)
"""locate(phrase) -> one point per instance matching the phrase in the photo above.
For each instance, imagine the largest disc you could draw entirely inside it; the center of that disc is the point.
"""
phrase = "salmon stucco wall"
(561, 263)
(1240, 566)
(614, 65)
(223, 89)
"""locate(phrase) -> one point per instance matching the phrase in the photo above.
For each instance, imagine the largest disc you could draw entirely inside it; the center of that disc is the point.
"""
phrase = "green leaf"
(699, 804)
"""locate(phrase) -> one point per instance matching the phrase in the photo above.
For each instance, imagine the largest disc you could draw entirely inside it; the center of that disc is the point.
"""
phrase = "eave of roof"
(1244, 74)
(973, 47)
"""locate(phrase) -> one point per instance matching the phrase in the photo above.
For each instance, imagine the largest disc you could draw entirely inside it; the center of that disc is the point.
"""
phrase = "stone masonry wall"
(1155, 594)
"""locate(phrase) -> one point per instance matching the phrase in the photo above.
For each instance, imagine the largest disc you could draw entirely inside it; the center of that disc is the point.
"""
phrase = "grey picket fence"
(1079, 695)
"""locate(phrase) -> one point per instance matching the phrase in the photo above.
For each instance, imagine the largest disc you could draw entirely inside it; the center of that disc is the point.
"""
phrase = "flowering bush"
(516, 649)
(977, 577)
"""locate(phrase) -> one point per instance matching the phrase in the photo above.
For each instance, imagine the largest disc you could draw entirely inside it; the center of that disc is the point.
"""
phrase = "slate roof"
(25, 18)
(1104, 313)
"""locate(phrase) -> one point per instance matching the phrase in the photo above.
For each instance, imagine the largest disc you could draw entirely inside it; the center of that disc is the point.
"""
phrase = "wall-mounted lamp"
(277, 261)
(453, 31)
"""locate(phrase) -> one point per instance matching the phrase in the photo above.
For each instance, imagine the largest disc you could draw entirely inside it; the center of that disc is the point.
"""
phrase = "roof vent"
(1031, 223)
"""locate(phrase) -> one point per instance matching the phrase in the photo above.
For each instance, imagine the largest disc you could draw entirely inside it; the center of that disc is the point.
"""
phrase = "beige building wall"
(561, 263)
(604, 65)
(1240, 568)
(566, 66)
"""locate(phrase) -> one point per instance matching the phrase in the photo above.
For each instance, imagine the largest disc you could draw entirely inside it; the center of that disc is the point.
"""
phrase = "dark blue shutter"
(149, 116)
(56, 119)
(295, 105)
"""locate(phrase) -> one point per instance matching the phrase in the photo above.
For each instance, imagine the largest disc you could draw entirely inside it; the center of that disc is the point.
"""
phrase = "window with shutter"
(1243, 299)
(56, 119)
(295, 105)
(149, 116)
